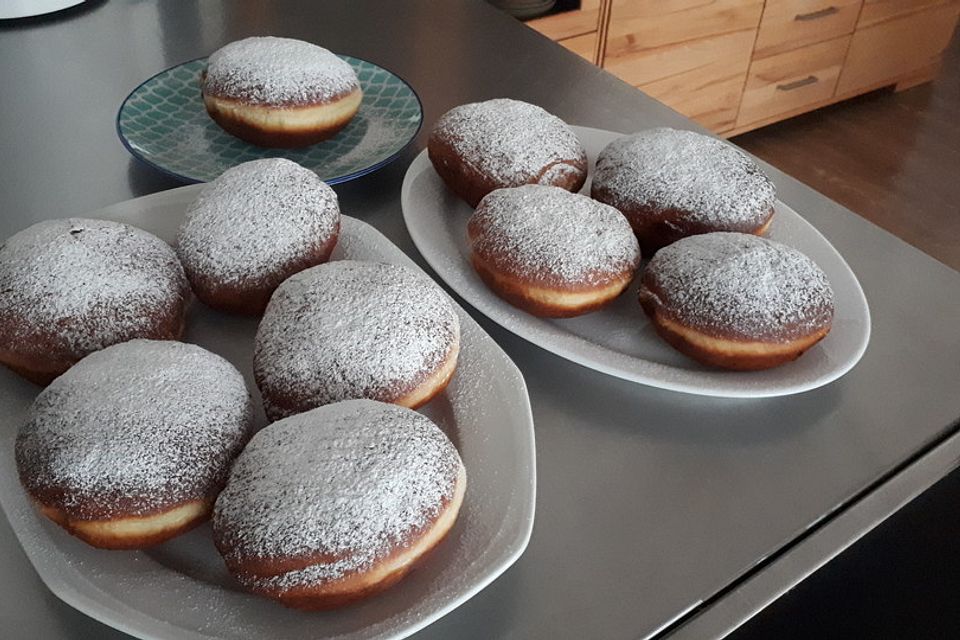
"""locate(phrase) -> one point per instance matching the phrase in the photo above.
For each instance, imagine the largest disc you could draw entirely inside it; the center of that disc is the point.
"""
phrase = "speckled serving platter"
(618, 339)
(163, 123)
(181, 590)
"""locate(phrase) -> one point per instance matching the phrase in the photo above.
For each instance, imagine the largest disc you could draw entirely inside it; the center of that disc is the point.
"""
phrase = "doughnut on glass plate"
(618, 339)
(181, 589)
(163, 122)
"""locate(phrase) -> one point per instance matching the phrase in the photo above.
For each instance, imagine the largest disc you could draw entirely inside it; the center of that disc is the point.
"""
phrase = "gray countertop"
(649, 502)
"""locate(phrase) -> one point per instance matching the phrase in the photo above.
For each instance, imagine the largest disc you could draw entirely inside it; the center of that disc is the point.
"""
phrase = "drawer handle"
(796, 84)
(816, 15)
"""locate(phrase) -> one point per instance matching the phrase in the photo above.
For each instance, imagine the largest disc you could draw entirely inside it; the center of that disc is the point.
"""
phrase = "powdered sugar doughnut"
(279, 92)
(253, 227)
(131, 446)
(335, 504)
(482, 146)
(350, 329)
(70, 287)
(671, 184)
(737, 301)
(552, 252)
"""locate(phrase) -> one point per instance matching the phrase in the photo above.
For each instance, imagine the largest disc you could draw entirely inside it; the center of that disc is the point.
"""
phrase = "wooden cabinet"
(693, 55)
(789, 24)
(734, 65)
(584, 46)
(878, 11)
(788, 82)
(579, 31)
(893, 42)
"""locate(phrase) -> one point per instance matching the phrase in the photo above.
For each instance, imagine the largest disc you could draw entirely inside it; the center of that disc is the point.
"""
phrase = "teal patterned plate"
(163, 123)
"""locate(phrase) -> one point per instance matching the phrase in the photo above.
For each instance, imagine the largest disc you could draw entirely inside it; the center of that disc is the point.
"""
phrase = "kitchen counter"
(656, 511)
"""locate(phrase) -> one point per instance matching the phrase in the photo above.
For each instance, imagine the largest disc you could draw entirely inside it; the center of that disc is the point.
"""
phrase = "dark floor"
(901, 581)
(895, 159)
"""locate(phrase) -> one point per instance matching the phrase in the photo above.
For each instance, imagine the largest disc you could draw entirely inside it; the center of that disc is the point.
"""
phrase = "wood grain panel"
(584, 46)
(896, 47)
(568, 24)
(877, 11)
(702, 79)
(790, 24)
(792, 80)
(637, 26)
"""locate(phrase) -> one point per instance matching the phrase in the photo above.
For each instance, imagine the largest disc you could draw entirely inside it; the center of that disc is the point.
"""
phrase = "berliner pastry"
(253, 227)
(736, 301)
(70, 287)
(671, 184)
(333, 505)
(350, 329)
(131, 446)
(279, 92)
(551, 252)
(482, 146)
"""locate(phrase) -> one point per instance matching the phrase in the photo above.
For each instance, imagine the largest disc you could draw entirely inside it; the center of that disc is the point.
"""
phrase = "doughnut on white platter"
(619, 340)
(181, 589)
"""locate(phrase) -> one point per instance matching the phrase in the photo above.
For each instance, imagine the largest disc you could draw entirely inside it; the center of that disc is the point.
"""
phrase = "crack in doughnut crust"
(671, 183)
(349, 329)
(73, 286)
(254, 226)
(552, 252)
(482, 146)
(132, 444)
(736, 300)
(337, 503)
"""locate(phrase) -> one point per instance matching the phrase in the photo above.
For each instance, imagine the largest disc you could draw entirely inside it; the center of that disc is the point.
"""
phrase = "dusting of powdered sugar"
(549, 234)
(350, 480)
(740, 284)
(350, 329)
(256, 220)
(715, 184)
(278, 72)
(133, 429)
(511, 141)
(88, 283)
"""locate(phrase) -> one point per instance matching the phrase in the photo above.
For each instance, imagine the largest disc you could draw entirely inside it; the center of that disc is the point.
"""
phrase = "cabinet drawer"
(793, 80)
(567, 24)
(637, 26)
(701, 79)
(584, 46)
(877, 11)
(789, 24)
(897, 46)
(690, 54)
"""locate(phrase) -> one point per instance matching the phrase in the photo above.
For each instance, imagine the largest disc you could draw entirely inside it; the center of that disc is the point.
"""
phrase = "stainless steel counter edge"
(735, 607)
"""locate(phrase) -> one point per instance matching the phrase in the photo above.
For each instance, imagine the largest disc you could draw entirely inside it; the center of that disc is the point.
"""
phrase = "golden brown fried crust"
(471, 185)
(548, 301)
(357, 585)
(252, 300)
(249, 130)
(124, 532)
(656, 228)
(720, 349)
(43, 356)
(427, 385)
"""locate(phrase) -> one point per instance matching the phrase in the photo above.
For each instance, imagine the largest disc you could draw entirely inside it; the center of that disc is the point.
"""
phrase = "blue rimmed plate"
(163, 123)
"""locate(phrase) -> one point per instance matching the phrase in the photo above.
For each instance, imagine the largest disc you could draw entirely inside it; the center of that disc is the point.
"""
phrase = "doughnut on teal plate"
(163, 123)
